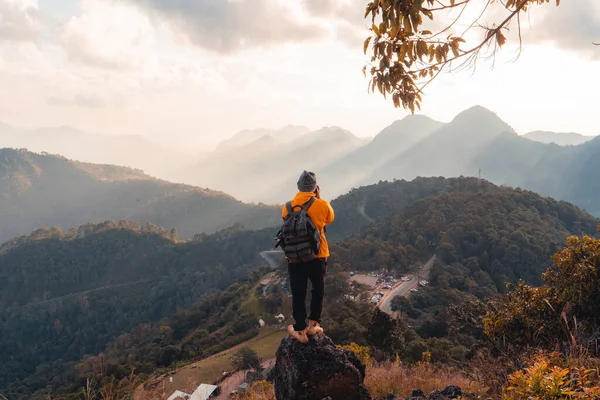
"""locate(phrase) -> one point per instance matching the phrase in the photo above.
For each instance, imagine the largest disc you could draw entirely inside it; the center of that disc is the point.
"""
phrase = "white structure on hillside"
(203, 392)
(178, 394)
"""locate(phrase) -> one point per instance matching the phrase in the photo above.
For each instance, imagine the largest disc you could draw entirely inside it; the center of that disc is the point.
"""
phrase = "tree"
(245, 358)
(402, 304)
(566, 305)
(385, 333)
(406, 57)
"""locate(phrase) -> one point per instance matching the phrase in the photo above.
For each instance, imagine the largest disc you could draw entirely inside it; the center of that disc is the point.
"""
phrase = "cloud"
(352, 11)
(19, 20)
(77, 100)
(109, 35)
(574, 25)
(229, 26)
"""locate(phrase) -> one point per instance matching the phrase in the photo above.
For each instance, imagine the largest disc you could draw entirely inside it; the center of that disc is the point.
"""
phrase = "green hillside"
(63, 298)
(39, 190)
(148, 301)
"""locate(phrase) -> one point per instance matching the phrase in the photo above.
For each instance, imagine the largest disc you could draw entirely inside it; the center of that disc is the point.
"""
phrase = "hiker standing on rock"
(303, 241)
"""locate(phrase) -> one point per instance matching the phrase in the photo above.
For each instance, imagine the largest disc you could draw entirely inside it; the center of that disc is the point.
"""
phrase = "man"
(321, 214)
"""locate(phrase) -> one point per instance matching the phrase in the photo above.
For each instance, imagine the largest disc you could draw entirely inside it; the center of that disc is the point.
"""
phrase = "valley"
(148, 149)
(174, 300)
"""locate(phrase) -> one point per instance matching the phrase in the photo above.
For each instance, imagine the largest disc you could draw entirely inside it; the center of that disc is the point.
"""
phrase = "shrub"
(362, 352)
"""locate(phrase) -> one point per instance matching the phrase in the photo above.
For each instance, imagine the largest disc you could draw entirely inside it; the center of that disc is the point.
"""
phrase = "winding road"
(403, 288)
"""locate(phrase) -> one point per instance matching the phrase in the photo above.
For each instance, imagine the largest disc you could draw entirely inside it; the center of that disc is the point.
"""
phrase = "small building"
(179, 395)
(203, 392)
(352, 273)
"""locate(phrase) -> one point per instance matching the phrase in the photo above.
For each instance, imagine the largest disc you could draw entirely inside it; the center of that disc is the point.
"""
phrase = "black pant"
(299, 275)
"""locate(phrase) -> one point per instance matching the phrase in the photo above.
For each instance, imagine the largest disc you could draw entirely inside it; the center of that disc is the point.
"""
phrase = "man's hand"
(318, 192)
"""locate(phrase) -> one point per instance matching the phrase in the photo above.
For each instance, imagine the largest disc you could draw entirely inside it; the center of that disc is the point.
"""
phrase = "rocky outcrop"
(318, 370)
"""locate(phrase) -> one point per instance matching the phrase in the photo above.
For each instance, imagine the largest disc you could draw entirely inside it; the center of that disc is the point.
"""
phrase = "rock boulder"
(318, 370)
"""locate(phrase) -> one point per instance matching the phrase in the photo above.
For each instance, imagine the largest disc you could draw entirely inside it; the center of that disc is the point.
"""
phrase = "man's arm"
(330, 214)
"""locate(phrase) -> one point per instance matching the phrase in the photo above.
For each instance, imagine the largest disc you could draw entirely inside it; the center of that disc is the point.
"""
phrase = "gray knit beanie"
(307, 182)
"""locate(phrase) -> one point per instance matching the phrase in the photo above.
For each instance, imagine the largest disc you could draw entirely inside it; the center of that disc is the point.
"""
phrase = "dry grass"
(395, 378)
(260, 390)
(390, 378)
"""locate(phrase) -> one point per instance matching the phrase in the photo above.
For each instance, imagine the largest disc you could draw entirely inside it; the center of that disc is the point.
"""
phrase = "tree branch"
(405, 52)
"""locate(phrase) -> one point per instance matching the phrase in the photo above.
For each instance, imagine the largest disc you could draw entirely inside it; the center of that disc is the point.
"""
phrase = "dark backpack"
(299, 238)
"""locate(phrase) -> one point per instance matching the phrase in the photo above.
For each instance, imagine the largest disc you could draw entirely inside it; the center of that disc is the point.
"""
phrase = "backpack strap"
(289, 207)
(309, 203)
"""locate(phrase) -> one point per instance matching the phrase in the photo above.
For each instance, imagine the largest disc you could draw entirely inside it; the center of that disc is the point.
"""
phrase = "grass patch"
(210, 369)
(400, 380)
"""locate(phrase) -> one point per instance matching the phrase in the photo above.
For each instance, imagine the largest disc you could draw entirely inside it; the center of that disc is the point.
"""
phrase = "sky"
(190, 73)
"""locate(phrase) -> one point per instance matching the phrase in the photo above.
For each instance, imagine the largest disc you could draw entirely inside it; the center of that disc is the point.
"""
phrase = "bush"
(245, 358)
(362, 352)
(551, 376)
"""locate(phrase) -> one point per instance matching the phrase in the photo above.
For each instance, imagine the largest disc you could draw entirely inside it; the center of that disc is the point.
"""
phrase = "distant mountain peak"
(334, 129)
(331, 133)
(414, 117)
(290, 127)
(412, 126)
(483, 120)
(559, 138)
(476, 111)
(266, 139)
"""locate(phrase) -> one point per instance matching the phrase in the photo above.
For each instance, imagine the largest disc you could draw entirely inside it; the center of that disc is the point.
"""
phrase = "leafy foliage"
(362, 352)
(565, 308)
(550, 376)
(61, 299)
(406, 57)
(245, 358)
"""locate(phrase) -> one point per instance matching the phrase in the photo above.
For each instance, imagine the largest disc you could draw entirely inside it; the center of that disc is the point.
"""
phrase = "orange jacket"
(321, 214)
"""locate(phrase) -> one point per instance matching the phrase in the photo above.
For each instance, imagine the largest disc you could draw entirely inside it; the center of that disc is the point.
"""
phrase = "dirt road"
(403, 288)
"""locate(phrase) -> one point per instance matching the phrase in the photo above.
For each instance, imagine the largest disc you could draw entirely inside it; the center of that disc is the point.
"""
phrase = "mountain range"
(123, 150)
(266, 169)
(262, 165)
(477, 142)
(44, 190)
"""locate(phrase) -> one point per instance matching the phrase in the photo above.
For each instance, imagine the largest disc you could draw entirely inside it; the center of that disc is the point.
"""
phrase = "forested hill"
(62, 298)
(484, 235)
(361, 206)
(383, 202)
(67, 294)
(38, 190)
